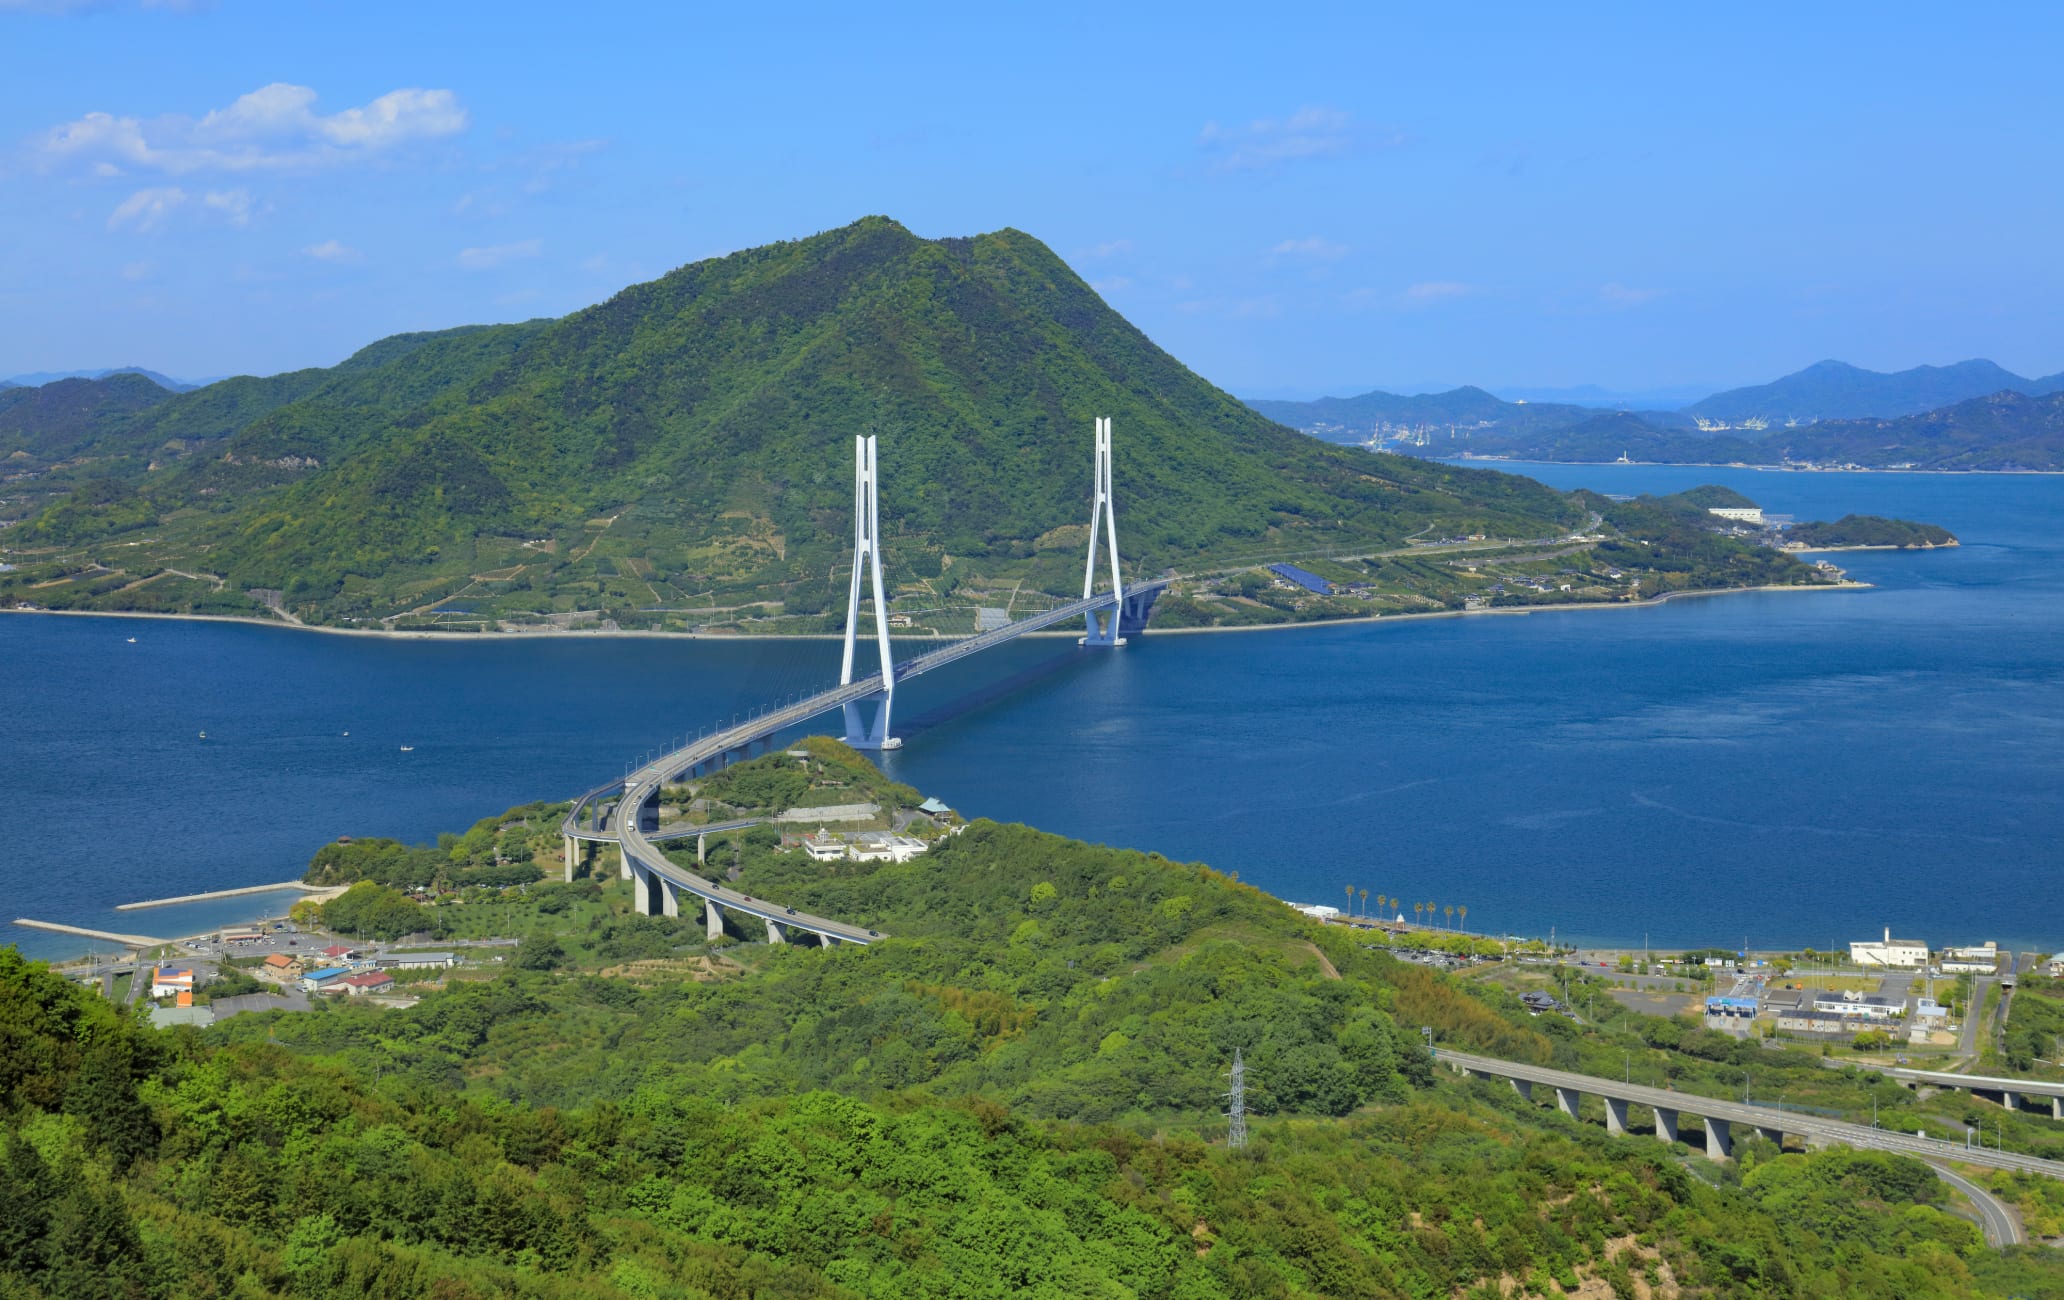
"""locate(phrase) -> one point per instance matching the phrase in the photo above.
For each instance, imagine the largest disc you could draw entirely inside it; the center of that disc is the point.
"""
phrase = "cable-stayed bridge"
(625, 812)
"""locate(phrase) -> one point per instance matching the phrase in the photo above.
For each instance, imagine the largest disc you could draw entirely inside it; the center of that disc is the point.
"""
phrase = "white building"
(1740, 514)
(1981, 960)
(824, 846)
(1892, 952)
(1317, 911)
(1851, 1005)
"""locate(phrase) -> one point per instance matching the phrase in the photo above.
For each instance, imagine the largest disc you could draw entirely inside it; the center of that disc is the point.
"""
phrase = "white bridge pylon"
(867, 548)
(1103, 623)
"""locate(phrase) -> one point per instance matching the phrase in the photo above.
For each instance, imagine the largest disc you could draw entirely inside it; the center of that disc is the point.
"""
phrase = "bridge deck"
(1812, 1127)
(644, 783)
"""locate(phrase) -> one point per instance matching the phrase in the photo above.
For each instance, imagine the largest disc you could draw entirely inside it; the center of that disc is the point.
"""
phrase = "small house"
(170, 981)
(362, 982)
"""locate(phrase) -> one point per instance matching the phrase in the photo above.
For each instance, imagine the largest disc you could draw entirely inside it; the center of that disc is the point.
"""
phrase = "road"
(1974, 1019)
(2000, 1225)
(1813, 1128)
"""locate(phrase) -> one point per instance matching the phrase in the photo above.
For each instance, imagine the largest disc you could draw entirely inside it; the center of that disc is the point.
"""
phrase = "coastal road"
(2001, 1226)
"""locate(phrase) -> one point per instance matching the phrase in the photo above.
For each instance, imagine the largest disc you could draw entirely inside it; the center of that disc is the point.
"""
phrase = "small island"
(1867, 533)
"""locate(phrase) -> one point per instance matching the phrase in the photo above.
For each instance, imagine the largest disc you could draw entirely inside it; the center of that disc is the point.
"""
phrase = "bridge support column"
(2057, 1108)
(823, 940)
(572, 847)
(701, 849)
(2010, 1100)
(1569, 1101)
(1666, 1124)
(867, 552)
(774, 934)
(641, 887)
(1524, 1087)
(1104, 624)
(1776, 1135)
(623, 863)
(1719, 1143)
(713, 917)
(669, 896)
(1615, 1116)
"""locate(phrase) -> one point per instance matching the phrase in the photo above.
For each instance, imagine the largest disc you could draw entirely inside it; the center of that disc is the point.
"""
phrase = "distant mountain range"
(1973, 415)
(1835, 390)
(41, 377)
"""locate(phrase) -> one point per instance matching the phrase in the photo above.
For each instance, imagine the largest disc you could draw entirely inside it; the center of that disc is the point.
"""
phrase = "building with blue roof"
(314, 980)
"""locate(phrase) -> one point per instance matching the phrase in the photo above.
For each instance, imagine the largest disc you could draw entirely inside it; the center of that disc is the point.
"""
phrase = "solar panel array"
(1302, 577)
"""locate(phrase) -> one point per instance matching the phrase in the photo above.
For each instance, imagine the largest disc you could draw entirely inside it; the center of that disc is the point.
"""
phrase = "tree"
(1365, 901)
(1450, 910)
(1418, 909)
(1350, 900)
(1464, 911)
(103, 1097)
(539, 951)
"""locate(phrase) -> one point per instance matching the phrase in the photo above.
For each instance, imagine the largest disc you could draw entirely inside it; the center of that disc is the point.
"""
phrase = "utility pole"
(1236, 1110)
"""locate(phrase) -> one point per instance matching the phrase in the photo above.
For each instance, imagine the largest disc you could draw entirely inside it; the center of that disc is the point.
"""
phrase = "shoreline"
(482, 638)
(1712, 464)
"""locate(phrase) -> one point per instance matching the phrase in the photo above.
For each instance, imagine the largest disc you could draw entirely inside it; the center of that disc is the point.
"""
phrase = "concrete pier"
(669, 897)
(573, 856)
(824, 940)
(224, 893)
(105, 936)
(1666, 1124)
(1776, 1135)
(774, 934)
(1719, 1145)
(1569, 1101)
(713, 917)
(641, 889)
(1615, 1116)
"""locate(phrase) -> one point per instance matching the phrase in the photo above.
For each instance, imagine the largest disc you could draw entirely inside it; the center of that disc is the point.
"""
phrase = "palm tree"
(1350, 900)
(1380, 912)
(1365, 903)
(1417, 908)
(1464, 910)
(1451, 915)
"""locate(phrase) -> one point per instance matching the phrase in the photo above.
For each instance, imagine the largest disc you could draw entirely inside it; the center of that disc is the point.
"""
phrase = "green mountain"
(685, 446)
(2002, 431)
(68, 417)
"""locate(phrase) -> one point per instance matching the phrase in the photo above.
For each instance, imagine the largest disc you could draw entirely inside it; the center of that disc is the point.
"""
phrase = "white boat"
(204, 735)
(132, 640)
(408, 749)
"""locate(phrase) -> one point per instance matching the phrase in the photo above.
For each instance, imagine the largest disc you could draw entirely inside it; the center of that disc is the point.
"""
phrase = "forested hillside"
(1016, 1095)
(686, 446)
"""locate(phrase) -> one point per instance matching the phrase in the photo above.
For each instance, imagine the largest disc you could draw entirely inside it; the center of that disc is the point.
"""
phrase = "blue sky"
(1291, 199)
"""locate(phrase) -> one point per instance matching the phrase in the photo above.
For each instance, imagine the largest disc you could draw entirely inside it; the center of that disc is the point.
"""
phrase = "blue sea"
(1780, 770)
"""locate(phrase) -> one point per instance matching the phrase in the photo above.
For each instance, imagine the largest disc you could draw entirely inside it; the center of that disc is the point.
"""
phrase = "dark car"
(791, 911)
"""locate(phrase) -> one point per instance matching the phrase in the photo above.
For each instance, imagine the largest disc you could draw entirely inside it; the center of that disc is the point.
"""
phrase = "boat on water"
(408, 749)
(204, 735)
(132, 640)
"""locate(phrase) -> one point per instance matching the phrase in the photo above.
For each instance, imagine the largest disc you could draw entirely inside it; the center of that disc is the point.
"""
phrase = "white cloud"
(1110, 248)
(1116, 284)
(273, 128)
(1313, 246)
(1619, 295)
(134, 271)
(145, 209)
(1310, 132)
(1433, 291)
(234, 205)
(331, 250)
(486, 259)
